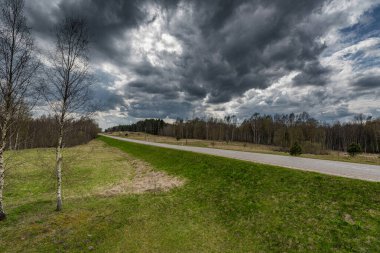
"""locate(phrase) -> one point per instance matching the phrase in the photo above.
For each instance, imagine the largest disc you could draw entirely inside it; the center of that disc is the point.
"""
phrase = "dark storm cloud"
(146, 69)
(143, 88)
(251, 44)
(105, 99)
(107, 20)
(313, 74)
(227, 48)
(40, 17)
(367, 82)
(157, 107)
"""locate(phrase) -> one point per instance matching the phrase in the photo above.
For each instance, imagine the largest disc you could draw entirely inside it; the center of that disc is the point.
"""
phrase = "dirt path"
(343, 169)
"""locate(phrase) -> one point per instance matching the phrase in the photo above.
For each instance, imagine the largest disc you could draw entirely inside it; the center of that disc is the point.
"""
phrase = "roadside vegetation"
(279, 130)
(365, 158)
(222, 205)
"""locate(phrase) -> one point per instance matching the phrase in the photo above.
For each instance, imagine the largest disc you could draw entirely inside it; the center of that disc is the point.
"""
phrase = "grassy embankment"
(225, 206)
(249, 147)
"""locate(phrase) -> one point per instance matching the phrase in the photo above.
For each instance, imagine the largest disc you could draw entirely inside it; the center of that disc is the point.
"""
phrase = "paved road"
(343, 169)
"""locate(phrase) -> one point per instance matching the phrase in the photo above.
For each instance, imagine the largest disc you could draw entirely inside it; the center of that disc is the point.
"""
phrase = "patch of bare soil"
(144, 180)
(348, 218)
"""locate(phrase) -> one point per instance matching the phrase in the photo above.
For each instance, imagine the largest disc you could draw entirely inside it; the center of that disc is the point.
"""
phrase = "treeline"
(151, 126)
(41, 132)
(281, 130)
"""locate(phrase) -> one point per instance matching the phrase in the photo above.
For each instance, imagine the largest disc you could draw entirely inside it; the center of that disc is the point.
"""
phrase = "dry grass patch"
(91, 169)
(144, 180)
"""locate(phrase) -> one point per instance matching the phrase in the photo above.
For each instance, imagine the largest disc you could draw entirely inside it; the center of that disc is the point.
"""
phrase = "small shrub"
(353, 149)
(212, 143)
(296, 149)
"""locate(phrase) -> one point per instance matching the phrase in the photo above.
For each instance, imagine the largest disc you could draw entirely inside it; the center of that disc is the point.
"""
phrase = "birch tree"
(18, 66)
(67, 89)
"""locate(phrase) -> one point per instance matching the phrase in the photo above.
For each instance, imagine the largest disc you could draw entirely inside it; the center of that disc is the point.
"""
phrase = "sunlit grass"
(225, 206)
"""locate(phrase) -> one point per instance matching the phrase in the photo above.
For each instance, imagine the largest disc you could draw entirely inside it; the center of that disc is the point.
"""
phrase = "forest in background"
(281, 130)
(41, 132)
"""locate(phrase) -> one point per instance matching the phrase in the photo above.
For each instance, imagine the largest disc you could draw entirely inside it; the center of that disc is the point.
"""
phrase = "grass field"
(225, 206)
(249, 147)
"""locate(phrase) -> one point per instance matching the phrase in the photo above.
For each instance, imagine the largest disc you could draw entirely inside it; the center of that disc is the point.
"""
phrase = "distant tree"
(17, 69)
(41, 132)
(150, 126)
(354, 149)
(295, 149)
(67, 87)
(227, 121)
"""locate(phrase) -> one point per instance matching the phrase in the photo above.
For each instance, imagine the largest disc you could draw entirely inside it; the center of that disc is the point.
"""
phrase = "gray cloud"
(367, 82)
(312, 74)
(105, 99)
(157, 107)
(251, 44)
(227, 48)
(108, 20)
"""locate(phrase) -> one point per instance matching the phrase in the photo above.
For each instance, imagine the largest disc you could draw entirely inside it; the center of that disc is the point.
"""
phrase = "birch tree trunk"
(3, 136)
(16, 141)
(67, 87)
(10, 139)
(58, 167)
(2, 171)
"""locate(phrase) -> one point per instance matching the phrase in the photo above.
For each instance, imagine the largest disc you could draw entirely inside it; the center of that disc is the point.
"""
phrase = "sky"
(182, 59)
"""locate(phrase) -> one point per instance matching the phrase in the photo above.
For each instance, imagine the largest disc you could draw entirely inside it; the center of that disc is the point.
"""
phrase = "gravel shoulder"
(342, 169)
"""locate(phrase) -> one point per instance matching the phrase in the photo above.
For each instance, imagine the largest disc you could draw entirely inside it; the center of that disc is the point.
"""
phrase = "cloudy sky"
(169, 59)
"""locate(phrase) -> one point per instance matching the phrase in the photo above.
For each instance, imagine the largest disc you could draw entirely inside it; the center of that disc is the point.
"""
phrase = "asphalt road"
(342, 169)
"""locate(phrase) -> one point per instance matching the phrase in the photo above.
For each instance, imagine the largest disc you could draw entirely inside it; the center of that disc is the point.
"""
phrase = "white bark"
(16, 142)
(2, 171)
(58, 167)
(3, 136)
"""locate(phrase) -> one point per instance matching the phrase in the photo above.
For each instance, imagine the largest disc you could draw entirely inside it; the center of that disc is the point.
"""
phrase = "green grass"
(225, 206)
